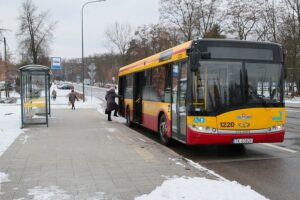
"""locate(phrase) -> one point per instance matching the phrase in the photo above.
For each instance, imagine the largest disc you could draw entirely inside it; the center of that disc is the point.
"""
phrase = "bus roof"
(176, 53)
(170, 55)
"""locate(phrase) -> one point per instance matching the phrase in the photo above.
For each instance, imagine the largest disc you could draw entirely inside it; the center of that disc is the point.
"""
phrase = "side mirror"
(195, 61)
(205, 55)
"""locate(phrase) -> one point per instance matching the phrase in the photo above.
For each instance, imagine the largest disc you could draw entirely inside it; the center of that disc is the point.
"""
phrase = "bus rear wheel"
(164, 139)
(128, 122)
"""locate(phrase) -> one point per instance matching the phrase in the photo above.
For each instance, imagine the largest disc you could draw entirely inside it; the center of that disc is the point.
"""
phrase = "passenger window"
(128, 90)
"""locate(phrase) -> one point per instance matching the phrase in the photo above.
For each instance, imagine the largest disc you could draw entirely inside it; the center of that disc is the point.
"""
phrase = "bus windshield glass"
(263, 83)
(222, 85)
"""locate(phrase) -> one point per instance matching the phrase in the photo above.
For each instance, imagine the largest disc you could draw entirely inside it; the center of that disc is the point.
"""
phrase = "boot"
(109, 117)
(116, 113)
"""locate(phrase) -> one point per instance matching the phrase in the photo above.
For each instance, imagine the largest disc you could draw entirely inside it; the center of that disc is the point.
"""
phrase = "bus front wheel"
(163, 130)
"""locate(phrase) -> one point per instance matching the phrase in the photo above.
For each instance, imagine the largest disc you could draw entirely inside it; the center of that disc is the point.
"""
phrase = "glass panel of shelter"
(35, 100)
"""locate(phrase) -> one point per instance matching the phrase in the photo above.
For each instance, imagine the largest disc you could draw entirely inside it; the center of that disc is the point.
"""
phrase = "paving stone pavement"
(81, 156)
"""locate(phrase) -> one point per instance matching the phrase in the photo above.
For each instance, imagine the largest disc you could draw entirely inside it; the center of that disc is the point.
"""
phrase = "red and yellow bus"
(208, 91)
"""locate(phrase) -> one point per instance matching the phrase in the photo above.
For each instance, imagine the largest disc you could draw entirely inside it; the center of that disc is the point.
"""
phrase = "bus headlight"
(276, 128)
(203, 129)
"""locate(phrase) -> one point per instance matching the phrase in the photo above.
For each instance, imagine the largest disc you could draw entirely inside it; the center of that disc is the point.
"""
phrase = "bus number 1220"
(227, 124)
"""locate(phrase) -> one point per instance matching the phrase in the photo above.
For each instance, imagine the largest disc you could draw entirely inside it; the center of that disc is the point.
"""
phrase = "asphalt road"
(270, 169)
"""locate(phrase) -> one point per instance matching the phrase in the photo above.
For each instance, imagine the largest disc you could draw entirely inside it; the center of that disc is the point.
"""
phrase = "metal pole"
(5, 73)
(22, 99)
(46, 97)
(82, 48)
(82, 54)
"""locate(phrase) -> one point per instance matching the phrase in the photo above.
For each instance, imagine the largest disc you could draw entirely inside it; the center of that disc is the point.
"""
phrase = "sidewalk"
(82, 156)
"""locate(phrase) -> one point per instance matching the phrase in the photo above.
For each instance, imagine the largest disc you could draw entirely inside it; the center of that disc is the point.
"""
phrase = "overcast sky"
(67, 34)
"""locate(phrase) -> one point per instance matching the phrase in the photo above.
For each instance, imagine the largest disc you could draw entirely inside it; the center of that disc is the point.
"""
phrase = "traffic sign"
(92, 67)
(55, 63)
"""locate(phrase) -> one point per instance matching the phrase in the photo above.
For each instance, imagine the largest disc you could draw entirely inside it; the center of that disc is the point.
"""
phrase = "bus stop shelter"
(35, 94)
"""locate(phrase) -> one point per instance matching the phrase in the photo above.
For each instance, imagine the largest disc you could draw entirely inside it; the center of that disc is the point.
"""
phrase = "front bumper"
(195, 137)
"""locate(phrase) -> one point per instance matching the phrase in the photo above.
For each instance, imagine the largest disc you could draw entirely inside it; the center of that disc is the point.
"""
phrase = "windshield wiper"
(263, 101)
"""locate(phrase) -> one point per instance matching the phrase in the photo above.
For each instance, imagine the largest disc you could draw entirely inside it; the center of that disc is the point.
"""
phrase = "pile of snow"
(196, 188)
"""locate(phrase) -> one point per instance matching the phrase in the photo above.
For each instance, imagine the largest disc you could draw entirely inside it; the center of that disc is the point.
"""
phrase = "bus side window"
(146, 89)
(158, 83)
(128, 87)
(168, 83)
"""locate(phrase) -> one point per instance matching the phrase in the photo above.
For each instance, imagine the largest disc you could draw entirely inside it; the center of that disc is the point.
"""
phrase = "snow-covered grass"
(173, 188)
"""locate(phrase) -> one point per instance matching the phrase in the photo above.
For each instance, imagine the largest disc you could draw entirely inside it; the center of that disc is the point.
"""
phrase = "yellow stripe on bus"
(152, 107)
(179, 52)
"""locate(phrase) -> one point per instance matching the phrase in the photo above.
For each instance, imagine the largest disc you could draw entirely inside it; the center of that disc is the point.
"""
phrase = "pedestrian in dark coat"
(72, 98)
(54, 94)
(111, 103)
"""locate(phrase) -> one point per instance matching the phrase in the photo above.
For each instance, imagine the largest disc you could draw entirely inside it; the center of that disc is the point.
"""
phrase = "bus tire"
(162, 129)
(128, 122)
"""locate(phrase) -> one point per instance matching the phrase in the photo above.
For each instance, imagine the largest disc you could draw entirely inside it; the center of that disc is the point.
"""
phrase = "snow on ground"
(178, 188)
(3, 179)
(173, 188)
(10, 119)
(194, 188)
(48, 193)
(293, 100)
(55, 193)
(111, 130)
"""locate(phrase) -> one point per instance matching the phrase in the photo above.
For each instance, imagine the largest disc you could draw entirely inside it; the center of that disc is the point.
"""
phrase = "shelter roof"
(34, 68)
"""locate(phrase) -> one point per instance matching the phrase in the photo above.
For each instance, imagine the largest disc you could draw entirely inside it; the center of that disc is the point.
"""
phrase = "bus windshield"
(225, 85)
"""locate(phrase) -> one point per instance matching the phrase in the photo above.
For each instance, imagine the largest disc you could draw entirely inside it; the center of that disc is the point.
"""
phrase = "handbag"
(106, 111)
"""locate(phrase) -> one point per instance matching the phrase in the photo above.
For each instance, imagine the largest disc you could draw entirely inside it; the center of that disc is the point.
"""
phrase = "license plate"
(242, 141)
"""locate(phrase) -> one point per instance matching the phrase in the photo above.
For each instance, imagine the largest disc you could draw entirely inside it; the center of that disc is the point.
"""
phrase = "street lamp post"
(82, 49)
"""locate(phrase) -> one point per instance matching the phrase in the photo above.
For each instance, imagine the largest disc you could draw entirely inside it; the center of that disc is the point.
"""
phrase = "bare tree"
(208, 15)
(271, 16)
(242, 16)
(2, 30)
(182, 14)
(151, 39)
(119, 35)
(35, 33)
(290, 38)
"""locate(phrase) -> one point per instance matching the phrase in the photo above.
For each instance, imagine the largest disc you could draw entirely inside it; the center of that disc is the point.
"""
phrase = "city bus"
(208, 91)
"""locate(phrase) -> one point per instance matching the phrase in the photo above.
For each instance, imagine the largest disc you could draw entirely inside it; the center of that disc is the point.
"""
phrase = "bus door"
(138, 79)
(179, 87)
(121, 89)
